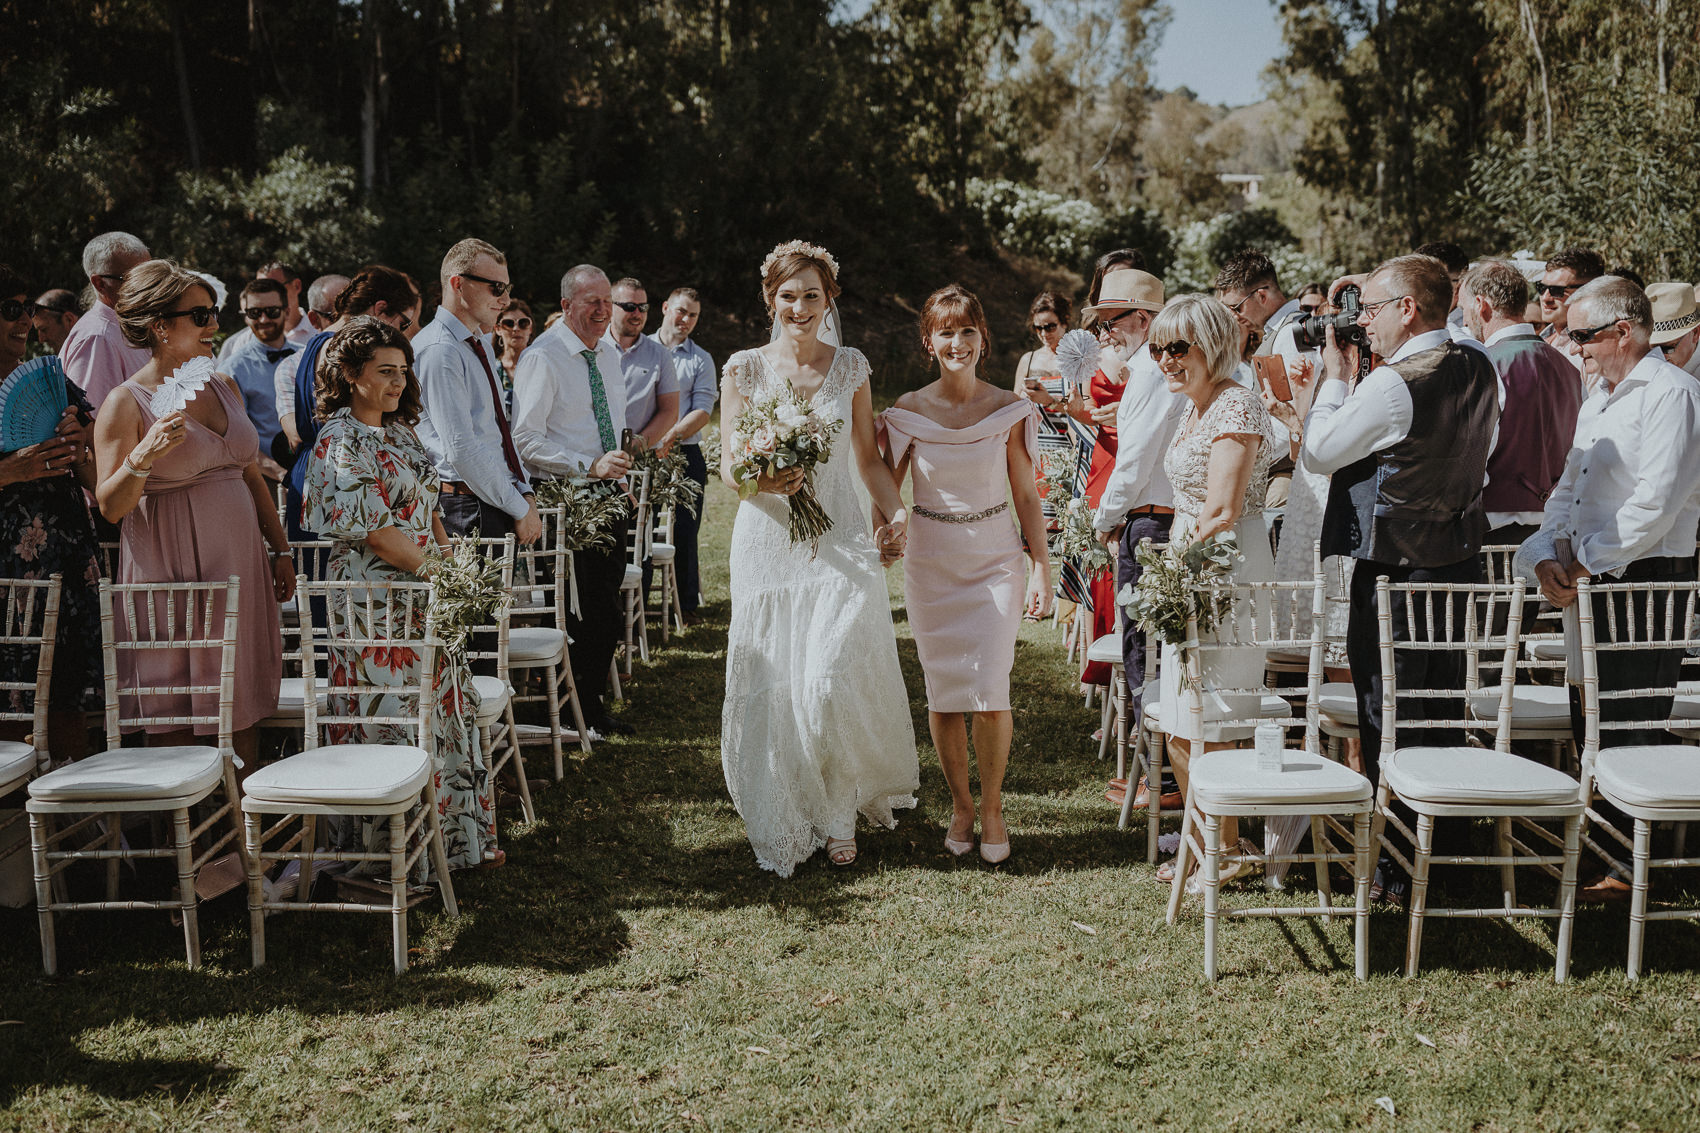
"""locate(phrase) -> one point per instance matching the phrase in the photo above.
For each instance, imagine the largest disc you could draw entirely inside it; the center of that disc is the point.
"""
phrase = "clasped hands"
(891, 539)
(1558, 579)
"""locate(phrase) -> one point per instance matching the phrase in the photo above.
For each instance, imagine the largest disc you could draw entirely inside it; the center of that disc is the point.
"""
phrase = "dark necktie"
(508, 450)
(273, 357)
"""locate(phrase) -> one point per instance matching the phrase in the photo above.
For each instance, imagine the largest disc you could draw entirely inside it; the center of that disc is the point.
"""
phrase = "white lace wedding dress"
(816, 726)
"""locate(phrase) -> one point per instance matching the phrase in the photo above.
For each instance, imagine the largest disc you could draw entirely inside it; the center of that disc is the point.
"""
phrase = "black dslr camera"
(1312, 333)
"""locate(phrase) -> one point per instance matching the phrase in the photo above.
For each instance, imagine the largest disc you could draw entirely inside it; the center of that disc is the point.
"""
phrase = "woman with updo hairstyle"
(1218, 465)
(972, 447)
(372, 490)
(194, 505)
(45, 530)
(816, 724)
(383, 293)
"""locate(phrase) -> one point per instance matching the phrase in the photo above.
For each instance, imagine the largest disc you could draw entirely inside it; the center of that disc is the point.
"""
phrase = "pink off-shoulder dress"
(964, 575)
(196, 523)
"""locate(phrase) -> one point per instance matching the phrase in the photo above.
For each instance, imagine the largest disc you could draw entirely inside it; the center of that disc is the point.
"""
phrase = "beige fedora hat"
(1675, 312)
(1128, 289)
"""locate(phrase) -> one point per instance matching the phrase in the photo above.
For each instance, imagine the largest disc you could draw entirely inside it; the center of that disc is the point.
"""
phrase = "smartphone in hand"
(1271, 370)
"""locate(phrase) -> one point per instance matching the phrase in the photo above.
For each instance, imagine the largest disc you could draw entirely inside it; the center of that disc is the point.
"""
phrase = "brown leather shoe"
(1608, 888)
(1168, 800)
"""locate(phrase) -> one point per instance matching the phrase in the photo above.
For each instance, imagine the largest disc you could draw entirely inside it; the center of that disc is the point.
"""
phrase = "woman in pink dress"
(187, 487)
(971, 446)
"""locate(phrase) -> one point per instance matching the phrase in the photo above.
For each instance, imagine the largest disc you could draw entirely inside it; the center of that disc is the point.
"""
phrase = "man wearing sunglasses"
(95, 355)
(698, 390)
(652, 388)
(1408, 452)
(1564, 274)
(53, 315)
(297, 331)
(1626, 507)
(321, 299)
(463, 426)
(254, 363)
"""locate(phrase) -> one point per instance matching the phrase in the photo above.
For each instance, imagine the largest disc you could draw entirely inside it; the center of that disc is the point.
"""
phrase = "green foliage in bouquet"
(592, 508)
(1163, 598)
(466, 589)
(1056, 478)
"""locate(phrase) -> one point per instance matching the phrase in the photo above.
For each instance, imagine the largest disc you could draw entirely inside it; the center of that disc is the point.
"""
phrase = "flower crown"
(803, 248)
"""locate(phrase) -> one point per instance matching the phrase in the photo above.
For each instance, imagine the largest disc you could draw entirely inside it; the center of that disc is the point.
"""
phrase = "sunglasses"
(1556, 290)
(1043, 328)
(521, 323)
(1237, 307)
(203, 316)
(406, 321)
(253, 313)
(11, 310)
(1176, 349)
(497, 287)
(1582, 336)
(630, 307)
(1112, 322)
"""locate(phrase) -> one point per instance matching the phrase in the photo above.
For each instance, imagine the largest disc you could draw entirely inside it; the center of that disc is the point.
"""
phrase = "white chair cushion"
(133, 774)
(1338, 701)
(633, 579)
(1287, 661)
(290, 692)
(1664, 775)
(346, 775)
(662, 552)
(1107, 649)
(534, 644)
(1465, 775)
(1223, 780)
(1532, 706)
(492, 698)
(16, 760)
(1151, 710)
(1546, 647)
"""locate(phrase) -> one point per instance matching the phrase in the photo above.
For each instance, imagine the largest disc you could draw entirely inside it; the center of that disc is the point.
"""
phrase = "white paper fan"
(1077, 357)
(180, 388)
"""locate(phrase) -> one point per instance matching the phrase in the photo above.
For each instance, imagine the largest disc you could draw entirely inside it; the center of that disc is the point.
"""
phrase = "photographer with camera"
(1408, 449)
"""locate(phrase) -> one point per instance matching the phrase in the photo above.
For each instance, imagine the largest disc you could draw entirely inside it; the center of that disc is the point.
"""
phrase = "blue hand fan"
(32, 400)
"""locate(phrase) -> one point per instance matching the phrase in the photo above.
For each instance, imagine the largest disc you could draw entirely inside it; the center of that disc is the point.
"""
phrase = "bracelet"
(139, 473)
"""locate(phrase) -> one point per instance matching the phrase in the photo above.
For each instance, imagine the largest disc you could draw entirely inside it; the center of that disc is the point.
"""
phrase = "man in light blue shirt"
(698, 389)
(463, 425)
(652, 389)
(254, 363)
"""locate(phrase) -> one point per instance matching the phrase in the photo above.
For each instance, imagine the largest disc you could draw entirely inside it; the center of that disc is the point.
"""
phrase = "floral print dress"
(45, 530)
(362, 479)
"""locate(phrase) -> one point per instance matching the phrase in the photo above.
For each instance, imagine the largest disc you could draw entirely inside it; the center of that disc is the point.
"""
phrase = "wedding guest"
(1564, 273)
(513, 335)
(1115, 260)
(296, 329)
(96, 355)
(1457, 263)
(569, 405)
(195, 508)
(1218, 466)
(254, 364)
(383, 293)
(1540, 401)
(1626, 508)
(463, 425)
(321, 300)
(1311, 298)
(1676, 324)
(971, 446)
(1039, 379)
(698, 390)
(52, 316)
(1249, 286)
(652, 388)
(45, 530)
(371, 488)
(1408, 452)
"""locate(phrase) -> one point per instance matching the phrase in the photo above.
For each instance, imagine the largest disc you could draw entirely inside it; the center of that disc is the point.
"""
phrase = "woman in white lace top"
(1219, 467)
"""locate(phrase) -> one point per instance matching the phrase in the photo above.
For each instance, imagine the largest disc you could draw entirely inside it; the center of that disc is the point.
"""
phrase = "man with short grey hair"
(321, 299)
(95, 355)
(569, 409)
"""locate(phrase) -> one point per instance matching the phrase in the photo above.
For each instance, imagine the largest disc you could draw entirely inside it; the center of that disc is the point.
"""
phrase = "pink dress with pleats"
(196, 523)
(964, 582)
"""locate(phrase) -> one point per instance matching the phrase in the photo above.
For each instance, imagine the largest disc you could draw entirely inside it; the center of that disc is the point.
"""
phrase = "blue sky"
(1218, 48)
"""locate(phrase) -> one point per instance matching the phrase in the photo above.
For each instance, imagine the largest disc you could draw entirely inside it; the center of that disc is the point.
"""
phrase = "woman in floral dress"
(45, 530)
(372, 490)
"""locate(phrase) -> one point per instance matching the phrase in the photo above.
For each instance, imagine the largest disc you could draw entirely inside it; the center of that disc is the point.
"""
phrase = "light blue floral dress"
(362, 479)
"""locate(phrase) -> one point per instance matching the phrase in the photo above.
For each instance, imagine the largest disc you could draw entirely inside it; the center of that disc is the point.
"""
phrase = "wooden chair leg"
(1182, 856)
(185, 847)
(552, 698)
(1363, 846)
(1319, 845)
(1567, 897)
(398, 890)
(517, 758)
(1507, 873)
(114, 841)
(254, 824)
(1419, 893)
(1212, 865)
(309, 843)
(1638, 897)
(39, 842)
(439, 853)
(570, 683)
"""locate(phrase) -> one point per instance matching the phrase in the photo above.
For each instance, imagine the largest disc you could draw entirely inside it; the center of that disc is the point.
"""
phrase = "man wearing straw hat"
(1676, 324)
(1138, 502)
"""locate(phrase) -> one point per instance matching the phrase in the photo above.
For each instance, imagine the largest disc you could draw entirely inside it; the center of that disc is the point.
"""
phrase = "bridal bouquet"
(1077, 539)
(1163, 598)
(777, 433)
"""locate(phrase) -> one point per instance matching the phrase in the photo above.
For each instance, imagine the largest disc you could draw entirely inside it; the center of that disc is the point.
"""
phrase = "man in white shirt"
(95, 355)
(569, 410)
(1408, 452)
(1676, 324)
(1138, 502)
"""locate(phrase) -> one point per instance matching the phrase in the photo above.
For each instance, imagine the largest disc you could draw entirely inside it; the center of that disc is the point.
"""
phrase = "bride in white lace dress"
(816, 727)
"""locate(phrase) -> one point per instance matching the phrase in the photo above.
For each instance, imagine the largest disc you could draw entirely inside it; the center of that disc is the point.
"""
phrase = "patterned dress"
(45, 530)
(362, 479)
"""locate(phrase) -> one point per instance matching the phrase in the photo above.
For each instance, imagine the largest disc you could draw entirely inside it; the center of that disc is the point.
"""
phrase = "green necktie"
(599, 403)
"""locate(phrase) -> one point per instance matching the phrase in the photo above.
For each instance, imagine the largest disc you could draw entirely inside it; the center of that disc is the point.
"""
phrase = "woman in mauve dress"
(971, 446)
(194, 507)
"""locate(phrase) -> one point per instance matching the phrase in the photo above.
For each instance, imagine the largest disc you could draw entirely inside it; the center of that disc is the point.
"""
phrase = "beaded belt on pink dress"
(970, 517)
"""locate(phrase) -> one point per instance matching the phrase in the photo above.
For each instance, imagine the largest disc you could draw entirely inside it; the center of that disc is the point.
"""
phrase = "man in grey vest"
(1408, 452)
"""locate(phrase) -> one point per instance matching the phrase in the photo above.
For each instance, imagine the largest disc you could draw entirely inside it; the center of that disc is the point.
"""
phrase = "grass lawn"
(631, 969)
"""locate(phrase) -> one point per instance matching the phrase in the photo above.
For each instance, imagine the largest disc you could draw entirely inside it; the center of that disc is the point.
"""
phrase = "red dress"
(1102, 392)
